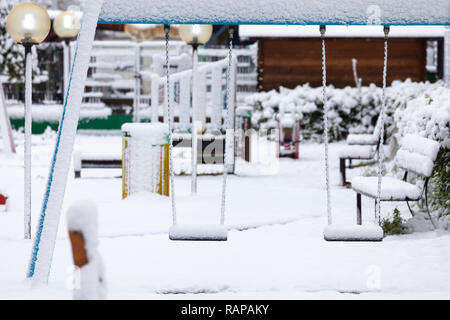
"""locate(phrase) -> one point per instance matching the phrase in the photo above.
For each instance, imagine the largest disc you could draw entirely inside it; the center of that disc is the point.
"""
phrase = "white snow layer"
(357, 152)
(334, 31)
(276, 251)
(391, 188)
(414, 162)
(369, 232)
(156, 133)
(362, 139)
(417, 154)
(198, 232)
(276, 12)
(423, 146)
(82, 216)
(52, 113)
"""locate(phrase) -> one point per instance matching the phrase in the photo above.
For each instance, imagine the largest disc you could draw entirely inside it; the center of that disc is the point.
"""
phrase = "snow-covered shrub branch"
(350, 110)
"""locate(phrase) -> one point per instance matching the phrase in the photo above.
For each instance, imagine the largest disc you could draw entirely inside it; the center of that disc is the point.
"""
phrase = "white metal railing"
(211, 102)
(113, 67)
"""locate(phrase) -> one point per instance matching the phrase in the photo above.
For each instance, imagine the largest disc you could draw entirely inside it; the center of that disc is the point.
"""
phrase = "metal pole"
(66, 53)
(447, 56)
(137, 82)
(27, 143)
(194, 119)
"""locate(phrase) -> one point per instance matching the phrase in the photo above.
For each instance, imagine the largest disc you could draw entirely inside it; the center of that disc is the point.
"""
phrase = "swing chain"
(325, 122)
(380, 151)
(169, 113)
(227, 126)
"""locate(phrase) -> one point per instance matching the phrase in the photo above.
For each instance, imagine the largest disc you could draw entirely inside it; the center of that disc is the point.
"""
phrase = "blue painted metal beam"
(296, 12)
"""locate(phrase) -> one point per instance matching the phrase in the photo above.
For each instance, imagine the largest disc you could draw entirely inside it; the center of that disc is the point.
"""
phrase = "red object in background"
(289, 141)
(3, 200)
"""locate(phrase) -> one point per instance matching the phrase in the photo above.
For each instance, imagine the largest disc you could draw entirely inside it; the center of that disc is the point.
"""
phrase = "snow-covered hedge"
(350, 110)
(426, 115)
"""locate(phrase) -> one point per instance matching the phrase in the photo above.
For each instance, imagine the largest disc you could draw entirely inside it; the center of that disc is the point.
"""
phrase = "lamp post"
(195, 35)
(66, 26)
(28, 24)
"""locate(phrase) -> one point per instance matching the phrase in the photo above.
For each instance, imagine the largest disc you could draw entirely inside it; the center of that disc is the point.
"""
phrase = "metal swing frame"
(226, 12)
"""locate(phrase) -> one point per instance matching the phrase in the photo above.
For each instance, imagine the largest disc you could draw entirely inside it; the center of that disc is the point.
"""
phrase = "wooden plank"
(292, 62)
(78, 248)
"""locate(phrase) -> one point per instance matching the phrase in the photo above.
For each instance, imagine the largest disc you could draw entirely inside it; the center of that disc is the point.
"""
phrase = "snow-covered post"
(216, 98)
(66, 62)
(194, 120)
(145, 158)
(447, 56)
(231, 149)
(137, 82)
(44, 243)
(165, 109)
(89, 276)
(155, 98)
(201, 100)
(27, 144)
(358, 81)
(5, 125)
(185, 102)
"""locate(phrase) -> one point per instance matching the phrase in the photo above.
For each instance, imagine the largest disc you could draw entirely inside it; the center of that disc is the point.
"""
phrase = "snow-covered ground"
(275, 249)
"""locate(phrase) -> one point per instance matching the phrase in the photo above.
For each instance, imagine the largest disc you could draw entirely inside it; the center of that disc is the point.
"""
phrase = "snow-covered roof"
(268, 31)
(306, 12)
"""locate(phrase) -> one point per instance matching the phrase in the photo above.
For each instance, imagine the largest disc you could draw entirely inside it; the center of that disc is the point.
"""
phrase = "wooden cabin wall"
(290, 62)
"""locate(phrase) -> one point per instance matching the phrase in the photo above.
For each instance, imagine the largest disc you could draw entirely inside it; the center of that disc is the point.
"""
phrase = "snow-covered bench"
(359, 147)
(89, 160)
(211, 146)
(416, 155)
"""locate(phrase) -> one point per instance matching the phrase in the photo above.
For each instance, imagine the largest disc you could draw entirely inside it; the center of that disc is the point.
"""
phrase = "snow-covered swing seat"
(225, 12)
(217, 232)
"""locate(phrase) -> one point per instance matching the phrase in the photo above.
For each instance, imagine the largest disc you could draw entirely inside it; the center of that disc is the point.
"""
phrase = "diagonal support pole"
(47, 229)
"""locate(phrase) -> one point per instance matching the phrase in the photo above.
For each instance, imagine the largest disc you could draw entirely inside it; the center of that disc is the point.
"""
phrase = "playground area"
(185, 164)
(275, 246)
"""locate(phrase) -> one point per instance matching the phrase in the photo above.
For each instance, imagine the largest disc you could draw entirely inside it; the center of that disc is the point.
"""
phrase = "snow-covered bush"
(394, 225)
(350, 110)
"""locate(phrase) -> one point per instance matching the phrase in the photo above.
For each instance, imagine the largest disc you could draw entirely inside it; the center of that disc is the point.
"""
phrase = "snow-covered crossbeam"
(303, 12)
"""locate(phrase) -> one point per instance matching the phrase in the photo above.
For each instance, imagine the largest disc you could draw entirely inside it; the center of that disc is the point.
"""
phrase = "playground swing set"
(224, 12)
